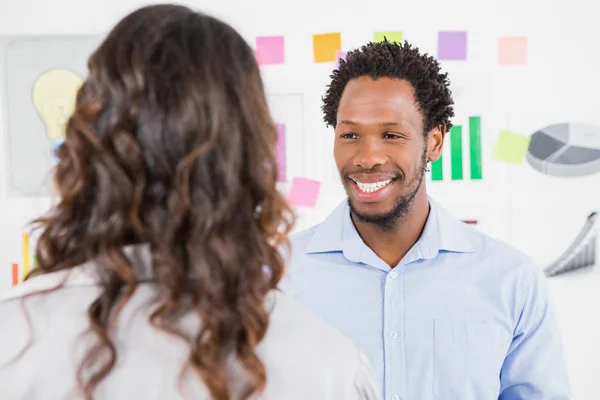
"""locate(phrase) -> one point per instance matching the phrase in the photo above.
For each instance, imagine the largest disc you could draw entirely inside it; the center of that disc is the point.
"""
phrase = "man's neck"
(393, 244)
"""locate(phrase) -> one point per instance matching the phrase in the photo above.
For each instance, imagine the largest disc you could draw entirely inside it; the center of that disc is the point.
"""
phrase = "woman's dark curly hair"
(171, 145)
(396, 61)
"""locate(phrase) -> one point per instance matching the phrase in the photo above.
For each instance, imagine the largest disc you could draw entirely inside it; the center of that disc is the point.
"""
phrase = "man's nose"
(369, 154)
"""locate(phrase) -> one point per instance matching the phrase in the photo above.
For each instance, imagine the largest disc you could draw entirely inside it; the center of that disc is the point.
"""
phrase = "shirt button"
(393, 334)
(396, 398)
(393, 275)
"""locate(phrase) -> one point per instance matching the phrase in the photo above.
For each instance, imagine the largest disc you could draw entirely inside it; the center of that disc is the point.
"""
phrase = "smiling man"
(442, 310)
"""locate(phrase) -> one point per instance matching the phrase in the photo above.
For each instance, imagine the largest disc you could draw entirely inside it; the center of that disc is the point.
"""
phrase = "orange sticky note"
(326, 46)
(304, 192)
(15, 274)
(512, 50)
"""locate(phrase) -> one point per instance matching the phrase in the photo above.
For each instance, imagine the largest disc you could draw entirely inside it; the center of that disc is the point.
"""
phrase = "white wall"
(537, 214)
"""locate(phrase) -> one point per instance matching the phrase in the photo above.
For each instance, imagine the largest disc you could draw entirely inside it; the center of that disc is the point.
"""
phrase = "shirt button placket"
(394, 326)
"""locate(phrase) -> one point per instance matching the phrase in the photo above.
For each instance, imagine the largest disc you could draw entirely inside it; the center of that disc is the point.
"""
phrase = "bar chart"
(458, 148)
(18, 271)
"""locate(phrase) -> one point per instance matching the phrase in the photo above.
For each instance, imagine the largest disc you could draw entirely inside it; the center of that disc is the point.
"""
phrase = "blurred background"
(522, 163)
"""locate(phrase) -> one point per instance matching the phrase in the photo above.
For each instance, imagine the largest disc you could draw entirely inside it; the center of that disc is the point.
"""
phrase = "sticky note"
(452, 45)
(511, 147)
(25, 244)
(326, 46)
(390, 36)
(270, 50)
(15, 274)
(304, 192)
(339, 55)
(512, 50)
(281, 156)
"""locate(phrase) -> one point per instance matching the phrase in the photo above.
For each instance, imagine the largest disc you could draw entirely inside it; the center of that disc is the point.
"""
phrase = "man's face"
(380, 148)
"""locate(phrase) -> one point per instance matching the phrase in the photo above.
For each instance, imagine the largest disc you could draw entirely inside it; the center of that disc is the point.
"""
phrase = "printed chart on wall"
(476, 214)
(287, 112)
(17, 256)
(560, 236)
(552, 162)
(551, 151)
(42, 76)
(465, 163)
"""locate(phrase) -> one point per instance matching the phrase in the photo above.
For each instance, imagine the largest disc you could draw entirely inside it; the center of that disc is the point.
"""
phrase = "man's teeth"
(372, 187)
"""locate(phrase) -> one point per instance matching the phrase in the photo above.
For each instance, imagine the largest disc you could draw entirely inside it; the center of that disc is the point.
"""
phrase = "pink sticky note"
(452, 45)
(512, 50)
(340, 54)
(270, 50)
(281, 159)
(304, 192)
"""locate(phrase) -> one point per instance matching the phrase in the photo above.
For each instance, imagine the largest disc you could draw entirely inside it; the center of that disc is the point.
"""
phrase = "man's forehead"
(383, 101)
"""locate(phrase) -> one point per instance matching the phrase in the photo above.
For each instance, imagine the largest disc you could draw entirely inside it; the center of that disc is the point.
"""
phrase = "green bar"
(456, 152)
(475, 146)
(437, 174)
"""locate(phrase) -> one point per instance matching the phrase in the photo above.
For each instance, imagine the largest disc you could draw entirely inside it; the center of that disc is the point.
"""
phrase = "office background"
(522, 164)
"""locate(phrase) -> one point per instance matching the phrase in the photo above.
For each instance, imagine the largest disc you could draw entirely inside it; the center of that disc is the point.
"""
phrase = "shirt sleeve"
(365, 382)
(534, 368)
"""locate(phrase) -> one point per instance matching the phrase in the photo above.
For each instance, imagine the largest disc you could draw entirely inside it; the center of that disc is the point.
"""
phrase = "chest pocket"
(468, 357)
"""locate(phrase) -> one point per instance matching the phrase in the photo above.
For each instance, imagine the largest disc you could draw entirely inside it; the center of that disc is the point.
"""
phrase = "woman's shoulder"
(292, 321)
(73, 277)
(314, 352)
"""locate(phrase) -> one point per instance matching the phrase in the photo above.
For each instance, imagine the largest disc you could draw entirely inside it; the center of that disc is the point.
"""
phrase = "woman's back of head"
(171, 145)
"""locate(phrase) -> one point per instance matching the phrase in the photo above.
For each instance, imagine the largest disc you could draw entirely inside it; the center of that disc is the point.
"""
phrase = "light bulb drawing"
(53, 97)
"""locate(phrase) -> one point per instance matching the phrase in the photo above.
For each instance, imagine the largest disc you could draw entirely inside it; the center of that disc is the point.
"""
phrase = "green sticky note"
(390, 36)
(511, 147)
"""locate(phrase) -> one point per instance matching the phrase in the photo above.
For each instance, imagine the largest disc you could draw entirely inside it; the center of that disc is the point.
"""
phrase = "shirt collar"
(442, 232)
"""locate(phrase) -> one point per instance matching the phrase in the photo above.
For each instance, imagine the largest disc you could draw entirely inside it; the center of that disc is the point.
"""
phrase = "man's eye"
(348, 135)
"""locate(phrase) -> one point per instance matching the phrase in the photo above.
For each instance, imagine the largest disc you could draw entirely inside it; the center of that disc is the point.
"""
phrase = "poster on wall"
(466, 160)
(559, 235)
(552, 175)
(581, 253)
(475, 214)
(18, 244)
(555, 151)
(287, 112)
(41, 76)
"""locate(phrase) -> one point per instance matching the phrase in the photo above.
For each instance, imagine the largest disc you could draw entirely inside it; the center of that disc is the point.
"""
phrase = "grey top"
(304, 357)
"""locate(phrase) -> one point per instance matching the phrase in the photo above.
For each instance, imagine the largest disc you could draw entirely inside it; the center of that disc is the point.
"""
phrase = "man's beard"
(402, 208)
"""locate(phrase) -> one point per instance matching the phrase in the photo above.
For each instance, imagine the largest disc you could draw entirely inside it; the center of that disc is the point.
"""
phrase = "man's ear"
(435, 142)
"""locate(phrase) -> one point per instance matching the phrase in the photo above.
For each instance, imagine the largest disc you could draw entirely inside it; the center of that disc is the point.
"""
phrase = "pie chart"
(565, 150)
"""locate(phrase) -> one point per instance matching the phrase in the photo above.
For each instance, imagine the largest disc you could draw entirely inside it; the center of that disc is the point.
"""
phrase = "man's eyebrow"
(386, 123)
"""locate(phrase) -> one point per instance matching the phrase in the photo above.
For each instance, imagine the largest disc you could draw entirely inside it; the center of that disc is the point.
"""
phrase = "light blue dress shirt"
(462, 316)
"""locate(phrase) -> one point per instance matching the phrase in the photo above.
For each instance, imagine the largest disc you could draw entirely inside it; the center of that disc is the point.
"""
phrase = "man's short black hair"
(396, 61)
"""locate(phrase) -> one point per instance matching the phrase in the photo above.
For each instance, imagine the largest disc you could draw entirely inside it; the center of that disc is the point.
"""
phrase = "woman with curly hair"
(158, 266)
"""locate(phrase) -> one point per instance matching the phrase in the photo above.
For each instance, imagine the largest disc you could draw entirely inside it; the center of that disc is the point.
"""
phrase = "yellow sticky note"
(511, 147)
(512, 50)
(326, 46)
(25, 244)
(390, 36)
